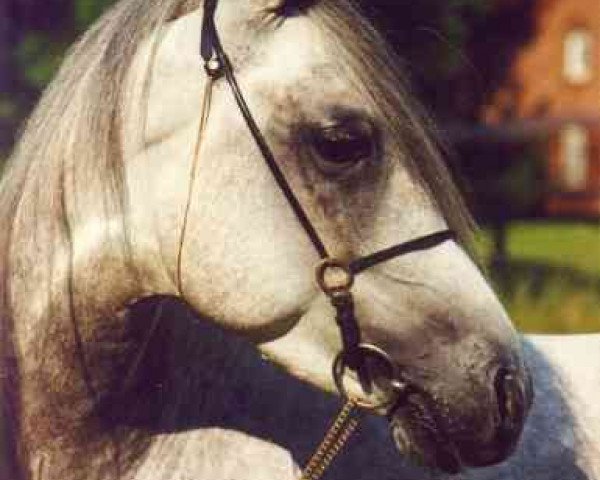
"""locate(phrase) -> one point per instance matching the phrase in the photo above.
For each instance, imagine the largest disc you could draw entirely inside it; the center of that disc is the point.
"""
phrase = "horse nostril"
(514, 399)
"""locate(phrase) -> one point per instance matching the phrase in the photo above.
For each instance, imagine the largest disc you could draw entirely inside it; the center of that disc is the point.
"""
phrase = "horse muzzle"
(446, 422)
(451, 430)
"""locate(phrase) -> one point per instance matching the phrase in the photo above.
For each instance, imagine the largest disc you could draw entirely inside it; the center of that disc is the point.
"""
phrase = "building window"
(575, 146)
(578, 54)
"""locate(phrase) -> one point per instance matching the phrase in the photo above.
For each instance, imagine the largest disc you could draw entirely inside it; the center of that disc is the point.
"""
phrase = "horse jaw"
(434, 332)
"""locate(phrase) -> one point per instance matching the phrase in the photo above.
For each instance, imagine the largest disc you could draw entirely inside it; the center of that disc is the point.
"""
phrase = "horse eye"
(342, 146)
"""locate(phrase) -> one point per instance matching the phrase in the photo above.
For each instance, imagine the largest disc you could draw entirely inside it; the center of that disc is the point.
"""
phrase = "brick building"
(553, 93)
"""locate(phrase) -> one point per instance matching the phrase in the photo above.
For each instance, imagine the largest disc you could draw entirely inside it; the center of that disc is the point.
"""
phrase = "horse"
(136, 184)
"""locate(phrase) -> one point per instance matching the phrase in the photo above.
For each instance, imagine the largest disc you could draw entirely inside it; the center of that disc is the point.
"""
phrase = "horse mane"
(75, 127)
(75, 132)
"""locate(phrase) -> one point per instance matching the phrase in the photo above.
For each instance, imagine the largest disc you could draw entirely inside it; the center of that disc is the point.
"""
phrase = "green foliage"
(85, 12)
(520, 185)
(455, 28)
(38, 57)
(33, 52)
(39, 53)
(506, 179)
(434, 37)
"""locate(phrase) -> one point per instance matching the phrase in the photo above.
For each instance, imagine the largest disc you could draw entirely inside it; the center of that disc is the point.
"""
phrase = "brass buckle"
(340, 366)
(328, 265)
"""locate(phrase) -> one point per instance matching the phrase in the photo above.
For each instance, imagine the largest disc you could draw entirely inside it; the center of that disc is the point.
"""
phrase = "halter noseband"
(354, 354)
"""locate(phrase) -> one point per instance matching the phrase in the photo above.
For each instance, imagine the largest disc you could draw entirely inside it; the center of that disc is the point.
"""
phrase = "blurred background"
(513, 87)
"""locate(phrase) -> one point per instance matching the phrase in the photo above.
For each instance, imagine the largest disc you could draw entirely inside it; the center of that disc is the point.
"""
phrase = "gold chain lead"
(335, 439)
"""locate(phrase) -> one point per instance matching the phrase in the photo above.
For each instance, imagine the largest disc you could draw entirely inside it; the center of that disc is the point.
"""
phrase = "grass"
(551, 282)
(575, 246)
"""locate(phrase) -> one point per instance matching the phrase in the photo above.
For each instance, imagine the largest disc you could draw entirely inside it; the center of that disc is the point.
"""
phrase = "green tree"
(456, 52)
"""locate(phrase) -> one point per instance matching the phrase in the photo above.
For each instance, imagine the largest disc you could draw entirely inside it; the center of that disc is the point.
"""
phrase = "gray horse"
(136, 184)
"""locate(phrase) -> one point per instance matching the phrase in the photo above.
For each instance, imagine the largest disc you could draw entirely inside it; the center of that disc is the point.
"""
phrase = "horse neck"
(237, 416)
(58, 266)
(46, 288)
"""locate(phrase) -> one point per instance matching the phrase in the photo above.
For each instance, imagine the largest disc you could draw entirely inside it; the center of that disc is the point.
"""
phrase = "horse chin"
(420, 433)
(421, 439)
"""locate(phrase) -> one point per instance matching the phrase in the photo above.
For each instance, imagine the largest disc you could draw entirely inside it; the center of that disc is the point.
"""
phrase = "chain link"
(335, 439)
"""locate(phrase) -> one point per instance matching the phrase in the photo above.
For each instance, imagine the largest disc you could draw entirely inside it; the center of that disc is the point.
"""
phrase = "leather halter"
(355, 353)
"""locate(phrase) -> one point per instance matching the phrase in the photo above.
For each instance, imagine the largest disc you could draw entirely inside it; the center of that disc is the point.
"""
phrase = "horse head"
(148, 183)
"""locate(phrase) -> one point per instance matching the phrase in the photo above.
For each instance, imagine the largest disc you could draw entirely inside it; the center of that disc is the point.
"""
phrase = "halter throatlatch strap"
(422, 243)
(354, 353)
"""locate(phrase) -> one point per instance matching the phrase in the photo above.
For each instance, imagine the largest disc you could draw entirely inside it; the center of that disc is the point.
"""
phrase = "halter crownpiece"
(355, 355)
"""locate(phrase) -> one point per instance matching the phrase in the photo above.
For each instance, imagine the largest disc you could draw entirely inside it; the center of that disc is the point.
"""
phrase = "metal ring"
(214, 68)
(366, 350)
(330, 264)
